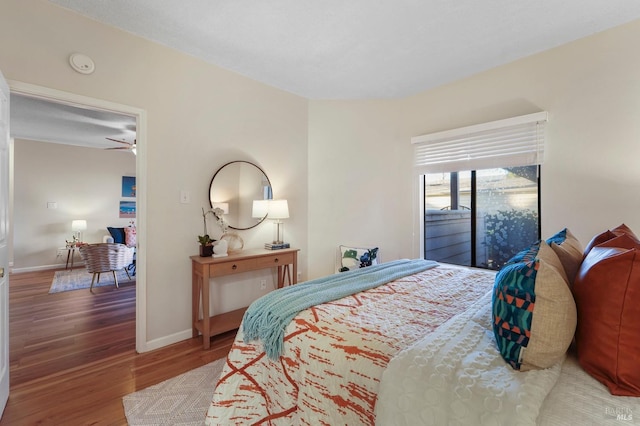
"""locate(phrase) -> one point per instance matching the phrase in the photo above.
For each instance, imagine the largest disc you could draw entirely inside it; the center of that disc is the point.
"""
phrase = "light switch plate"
(185, 197)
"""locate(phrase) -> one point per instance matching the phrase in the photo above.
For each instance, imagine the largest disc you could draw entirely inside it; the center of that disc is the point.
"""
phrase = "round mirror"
(234, 187)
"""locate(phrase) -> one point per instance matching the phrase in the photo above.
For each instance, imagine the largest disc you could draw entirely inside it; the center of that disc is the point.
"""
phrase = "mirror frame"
(258, 221)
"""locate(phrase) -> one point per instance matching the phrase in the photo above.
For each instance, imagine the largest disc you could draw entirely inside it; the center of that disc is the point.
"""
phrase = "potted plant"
(206, 245)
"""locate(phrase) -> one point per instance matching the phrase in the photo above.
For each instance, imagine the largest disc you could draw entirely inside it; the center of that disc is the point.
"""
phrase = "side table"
(70, 255)
(204, 268)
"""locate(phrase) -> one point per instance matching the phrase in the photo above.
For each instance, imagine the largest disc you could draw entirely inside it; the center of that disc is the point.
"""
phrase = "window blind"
(516, 141)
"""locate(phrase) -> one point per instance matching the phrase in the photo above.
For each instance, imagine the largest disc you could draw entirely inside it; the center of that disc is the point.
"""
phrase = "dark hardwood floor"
(73, 358)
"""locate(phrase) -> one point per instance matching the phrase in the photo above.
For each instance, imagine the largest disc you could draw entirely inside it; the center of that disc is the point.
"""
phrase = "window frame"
(473, 221)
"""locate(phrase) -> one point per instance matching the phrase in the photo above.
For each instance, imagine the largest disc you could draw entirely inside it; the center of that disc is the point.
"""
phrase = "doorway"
(92, 104)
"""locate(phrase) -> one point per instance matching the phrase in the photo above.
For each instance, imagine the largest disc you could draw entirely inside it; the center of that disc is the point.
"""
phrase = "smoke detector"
(82, 63)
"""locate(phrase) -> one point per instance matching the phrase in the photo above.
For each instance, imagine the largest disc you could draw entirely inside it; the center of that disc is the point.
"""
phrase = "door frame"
(5, 183)
(81, 101)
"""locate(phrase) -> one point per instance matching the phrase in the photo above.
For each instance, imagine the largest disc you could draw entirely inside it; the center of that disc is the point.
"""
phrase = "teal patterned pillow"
(526, 255)
(534, 315)
(558, 238)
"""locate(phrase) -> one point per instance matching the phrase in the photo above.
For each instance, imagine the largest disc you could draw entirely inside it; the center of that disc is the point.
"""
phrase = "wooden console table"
(203, 268)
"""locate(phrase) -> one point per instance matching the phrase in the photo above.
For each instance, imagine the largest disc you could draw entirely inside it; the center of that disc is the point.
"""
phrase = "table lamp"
(77, 226)
(278, 209)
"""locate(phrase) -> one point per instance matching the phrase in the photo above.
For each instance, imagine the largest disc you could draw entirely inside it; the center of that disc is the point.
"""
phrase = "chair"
(106, 257)
(127, 236)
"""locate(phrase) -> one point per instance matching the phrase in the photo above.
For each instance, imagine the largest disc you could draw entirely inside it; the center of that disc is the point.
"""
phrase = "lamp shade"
(260, 208)
(78, 225)
(278, 209)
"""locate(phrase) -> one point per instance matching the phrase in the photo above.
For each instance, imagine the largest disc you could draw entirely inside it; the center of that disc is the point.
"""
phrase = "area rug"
(79, 278)
(182, 400)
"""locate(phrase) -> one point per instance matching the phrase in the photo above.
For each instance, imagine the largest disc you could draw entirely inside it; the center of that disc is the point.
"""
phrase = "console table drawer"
(233, 267)
(276, 259)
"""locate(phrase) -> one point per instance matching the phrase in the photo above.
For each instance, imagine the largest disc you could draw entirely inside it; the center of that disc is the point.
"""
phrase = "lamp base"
(278, 232)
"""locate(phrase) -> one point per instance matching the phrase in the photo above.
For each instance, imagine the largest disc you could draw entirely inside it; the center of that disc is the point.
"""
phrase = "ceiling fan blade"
(122, 142)
(120, 148)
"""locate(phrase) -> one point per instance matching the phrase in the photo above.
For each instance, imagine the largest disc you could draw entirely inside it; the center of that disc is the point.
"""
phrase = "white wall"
(590, 178)
(359, 181)
(199, 117)
(85, 183)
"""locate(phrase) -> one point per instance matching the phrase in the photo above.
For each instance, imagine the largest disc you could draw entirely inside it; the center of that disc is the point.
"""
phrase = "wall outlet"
(263, 284)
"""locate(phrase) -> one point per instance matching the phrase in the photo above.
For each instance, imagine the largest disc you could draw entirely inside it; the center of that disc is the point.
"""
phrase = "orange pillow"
(609, 234)
(607, 291)
(625, 230)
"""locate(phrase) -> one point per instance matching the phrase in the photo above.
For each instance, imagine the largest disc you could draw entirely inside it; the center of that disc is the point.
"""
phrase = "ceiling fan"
(131, 146)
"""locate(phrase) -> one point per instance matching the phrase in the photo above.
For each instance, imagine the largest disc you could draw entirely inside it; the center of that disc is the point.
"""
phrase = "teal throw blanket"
(268, 317)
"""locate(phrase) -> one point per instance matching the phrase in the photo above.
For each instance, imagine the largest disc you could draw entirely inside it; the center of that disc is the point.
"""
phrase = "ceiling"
(46, 121)
(359, 49)
(331, 49)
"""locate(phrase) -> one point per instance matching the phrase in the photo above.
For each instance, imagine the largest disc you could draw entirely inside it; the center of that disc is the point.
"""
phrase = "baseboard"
(167, 340)
(45, 267)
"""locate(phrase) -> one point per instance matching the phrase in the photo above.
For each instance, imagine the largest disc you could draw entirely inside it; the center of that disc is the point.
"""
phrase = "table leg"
(286, 273)
(195, 300)
(206, 325)
(68, 254)
(280, 276)
(295, 267)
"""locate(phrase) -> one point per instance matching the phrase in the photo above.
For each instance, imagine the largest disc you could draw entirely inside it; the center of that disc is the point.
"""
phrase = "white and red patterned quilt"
(335, 353)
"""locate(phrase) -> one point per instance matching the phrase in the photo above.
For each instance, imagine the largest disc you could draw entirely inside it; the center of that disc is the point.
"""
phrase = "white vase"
(220, 248)
(234, 241)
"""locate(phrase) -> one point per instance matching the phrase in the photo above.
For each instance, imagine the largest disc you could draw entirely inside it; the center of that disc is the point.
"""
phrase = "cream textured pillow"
(569, 251)
(534, 315)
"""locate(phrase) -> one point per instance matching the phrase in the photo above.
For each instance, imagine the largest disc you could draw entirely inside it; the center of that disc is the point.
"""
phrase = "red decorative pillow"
(625, 230)
(624, 241)
(609, 234)
(607, 291)
(598, 239)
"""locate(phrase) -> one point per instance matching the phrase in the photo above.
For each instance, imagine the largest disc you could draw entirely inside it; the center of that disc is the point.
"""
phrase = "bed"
(416, 350)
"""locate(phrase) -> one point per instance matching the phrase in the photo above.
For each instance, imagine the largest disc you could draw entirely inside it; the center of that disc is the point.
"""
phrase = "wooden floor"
(73, 356)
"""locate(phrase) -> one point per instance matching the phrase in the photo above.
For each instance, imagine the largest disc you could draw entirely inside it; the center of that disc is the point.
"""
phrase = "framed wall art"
(127, 209)
(129, 186)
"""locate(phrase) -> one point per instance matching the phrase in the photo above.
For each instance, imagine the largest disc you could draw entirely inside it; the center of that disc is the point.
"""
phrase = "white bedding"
(579, 399)
(456, 376)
